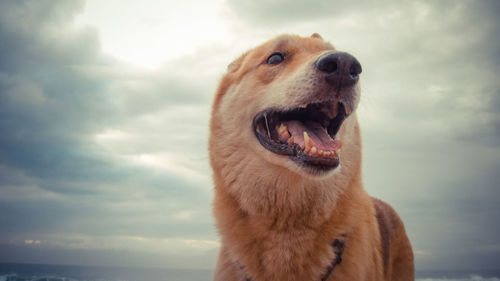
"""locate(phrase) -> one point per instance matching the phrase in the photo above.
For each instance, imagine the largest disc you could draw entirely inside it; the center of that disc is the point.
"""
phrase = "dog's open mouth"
(306, 134)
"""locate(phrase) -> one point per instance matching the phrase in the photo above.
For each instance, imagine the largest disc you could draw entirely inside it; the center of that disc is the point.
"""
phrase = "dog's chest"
(295, 255)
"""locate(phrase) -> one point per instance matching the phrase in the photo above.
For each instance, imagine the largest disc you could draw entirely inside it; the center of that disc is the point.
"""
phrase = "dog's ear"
(317, 36)
(235, 65)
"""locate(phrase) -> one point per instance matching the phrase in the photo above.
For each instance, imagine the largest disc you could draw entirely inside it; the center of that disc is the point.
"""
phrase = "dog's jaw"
(279, 187)
(306, 135)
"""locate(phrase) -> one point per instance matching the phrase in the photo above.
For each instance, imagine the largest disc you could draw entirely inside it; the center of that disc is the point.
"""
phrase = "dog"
(285, 150)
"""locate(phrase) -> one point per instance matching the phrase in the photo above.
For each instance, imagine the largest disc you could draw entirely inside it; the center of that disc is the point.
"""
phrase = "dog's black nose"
(341, 69)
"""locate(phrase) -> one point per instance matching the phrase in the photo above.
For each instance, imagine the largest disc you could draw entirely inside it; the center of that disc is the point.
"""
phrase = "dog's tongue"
(317, 134)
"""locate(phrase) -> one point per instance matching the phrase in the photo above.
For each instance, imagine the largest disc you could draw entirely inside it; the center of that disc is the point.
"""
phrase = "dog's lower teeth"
(314, 150)
(307, 142)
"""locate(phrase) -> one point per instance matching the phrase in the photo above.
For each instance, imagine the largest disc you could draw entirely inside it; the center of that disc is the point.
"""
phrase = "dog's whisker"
(267, 126)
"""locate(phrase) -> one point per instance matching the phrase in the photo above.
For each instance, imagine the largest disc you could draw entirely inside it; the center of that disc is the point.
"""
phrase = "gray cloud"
(43, 118)
(58, 94)
(281, 12)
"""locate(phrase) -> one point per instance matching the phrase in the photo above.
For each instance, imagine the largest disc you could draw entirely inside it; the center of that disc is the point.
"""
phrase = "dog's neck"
(285, 200)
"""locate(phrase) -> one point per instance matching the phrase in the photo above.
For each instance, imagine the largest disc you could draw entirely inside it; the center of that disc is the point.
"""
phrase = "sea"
(41, 272)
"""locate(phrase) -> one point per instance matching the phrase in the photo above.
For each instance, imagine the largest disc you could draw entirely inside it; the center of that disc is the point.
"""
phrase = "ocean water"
(470, 277)
(37, 272)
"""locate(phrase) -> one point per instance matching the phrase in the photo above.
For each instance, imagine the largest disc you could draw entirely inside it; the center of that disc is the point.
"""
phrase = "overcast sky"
(104, 109)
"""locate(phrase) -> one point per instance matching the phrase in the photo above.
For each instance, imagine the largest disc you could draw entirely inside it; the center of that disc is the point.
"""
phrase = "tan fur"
(276, 221)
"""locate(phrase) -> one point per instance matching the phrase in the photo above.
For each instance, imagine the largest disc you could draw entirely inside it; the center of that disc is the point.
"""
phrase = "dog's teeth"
(335, 110)
(321, 152)
(283, 131)
(331, 153)
(307, 142)
(314, 150)
(291, 141)
(347, 110)
(330, 111)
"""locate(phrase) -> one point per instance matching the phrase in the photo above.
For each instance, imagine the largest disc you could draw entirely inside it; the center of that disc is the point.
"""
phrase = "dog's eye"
(275, 58)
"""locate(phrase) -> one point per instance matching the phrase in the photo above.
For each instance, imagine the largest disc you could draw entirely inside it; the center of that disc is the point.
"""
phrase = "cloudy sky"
(104, 109)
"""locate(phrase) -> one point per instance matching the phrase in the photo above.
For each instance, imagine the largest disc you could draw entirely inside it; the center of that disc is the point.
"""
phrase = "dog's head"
(287, 104)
